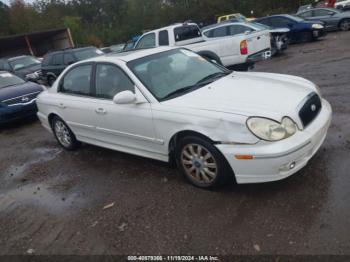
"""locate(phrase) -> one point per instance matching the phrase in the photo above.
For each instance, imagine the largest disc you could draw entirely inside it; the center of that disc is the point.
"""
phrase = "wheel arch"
(342, 20)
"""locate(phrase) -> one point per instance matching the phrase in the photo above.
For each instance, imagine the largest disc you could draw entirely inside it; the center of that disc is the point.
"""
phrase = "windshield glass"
(23, 62)
(7, 79)
(172, 72)
(87, 53)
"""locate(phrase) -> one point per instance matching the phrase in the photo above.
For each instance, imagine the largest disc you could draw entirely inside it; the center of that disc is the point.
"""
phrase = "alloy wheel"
(199, 164)
(62, 133)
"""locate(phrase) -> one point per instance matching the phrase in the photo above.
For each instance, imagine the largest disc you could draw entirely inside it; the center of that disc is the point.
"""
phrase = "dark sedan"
(26, 67)
(300, 29)
(334, 19)
(17, 98)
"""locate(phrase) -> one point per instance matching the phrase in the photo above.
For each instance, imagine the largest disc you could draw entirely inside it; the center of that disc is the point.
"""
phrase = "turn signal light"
(244, 157)
(244, 47)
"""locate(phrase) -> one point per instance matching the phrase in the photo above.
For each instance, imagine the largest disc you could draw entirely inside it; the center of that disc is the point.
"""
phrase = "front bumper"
(11, 114)
(317, 33)
(274, 161)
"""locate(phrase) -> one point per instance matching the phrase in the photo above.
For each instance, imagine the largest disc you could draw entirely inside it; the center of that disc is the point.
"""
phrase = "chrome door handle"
(101, 111)
(61, 105)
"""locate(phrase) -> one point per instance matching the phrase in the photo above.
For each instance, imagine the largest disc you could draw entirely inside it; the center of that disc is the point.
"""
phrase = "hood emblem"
(25, 99)
(313, 108)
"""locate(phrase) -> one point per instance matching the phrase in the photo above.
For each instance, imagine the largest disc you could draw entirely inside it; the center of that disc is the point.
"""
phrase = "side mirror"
(125, 97)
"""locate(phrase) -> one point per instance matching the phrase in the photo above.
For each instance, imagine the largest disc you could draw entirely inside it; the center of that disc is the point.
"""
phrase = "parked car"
(55, 62)
(113, 48)
(333, 19)
(172, 104)
(343, 4)
(278, 37)
(17, 98)
(26, 67)
(300, 29)
(234, 17)
(238, 52)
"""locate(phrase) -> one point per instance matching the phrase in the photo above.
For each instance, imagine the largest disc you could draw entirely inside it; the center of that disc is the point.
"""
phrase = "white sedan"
(171, 104)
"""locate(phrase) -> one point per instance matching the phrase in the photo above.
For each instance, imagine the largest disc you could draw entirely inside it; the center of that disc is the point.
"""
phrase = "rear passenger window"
(57, 59)
(111, 80)
(163, 38)
(239, 29)
(77, 81)
(220, 32)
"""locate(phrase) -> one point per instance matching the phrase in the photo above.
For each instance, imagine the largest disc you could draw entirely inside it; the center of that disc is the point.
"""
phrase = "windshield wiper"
(211, 78)
(205, 81)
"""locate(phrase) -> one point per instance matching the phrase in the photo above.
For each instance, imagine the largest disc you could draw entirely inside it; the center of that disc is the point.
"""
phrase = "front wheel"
(63, 134)
(344, 25)
(202, 163)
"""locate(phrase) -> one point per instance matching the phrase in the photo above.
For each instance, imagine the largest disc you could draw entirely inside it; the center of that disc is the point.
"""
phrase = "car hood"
(19, 90)
(249, 94)
(28, 70)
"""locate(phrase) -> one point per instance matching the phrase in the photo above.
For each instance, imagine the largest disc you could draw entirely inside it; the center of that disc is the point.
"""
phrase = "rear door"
(74, 101)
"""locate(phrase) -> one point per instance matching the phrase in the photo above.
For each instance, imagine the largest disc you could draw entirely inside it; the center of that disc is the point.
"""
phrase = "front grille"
(21, 99)
(310, 109)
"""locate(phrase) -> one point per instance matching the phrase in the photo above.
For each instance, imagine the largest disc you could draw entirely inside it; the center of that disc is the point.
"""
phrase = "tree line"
(106, 22)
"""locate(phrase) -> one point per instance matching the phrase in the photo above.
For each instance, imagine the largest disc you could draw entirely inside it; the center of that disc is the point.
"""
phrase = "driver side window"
(147, 41)
(111, 80)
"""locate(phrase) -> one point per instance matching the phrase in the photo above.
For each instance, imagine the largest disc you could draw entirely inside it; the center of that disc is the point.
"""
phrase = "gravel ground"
(51, 201)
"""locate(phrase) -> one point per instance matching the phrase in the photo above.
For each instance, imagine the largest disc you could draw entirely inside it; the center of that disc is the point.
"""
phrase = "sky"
(8, 1)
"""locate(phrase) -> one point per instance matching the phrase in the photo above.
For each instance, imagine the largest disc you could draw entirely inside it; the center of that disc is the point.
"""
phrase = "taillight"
(244, 47)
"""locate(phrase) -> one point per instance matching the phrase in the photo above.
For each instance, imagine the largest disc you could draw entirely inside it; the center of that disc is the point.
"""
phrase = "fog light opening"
(292, 165)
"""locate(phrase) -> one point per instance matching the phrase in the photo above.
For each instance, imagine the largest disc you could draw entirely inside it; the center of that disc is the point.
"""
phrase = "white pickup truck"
(236, 52)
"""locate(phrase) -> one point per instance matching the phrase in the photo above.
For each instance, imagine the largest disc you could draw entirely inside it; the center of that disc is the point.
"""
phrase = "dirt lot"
(51, 201)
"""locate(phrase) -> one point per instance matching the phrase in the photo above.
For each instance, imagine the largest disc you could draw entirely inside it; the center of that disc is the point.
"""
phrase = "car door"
(75, 103)
(127, 127)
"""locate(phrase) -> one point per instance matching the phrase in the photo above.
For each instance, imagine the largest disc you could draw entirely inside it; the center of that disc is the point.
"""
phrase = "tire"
(344, 25)
(306, 37)
(51, 80)
(63, 134)
(202, 163)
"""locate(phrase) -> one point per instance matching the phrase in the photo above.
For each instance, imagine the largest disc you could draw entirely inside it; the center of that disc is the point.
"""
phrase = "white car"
(239, 52)
(342, 4)
(172, 104)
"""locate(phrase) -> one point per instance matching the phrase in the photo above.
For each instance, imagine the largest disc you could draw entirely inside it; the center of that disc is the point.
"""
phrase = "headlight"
(317, 26)
(32, 76)
(270, 130)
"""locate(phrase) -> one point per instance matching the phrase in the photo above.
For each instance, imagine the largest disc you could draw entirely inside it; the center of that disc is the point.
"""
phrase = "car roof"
(224, 24)
(319, 8)
(170, 27)
(130, 55)
(69, 50)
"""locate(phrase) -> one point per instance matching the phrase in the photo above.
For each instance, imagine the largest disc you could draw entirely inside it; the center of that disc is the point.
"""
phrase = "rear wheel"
(202, 163)
(63, 134)
(344, 25)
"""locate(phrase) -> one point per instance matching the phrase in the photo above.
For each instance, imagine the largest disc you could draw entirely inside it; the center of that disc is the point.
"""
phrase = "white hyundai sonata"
(172, 104)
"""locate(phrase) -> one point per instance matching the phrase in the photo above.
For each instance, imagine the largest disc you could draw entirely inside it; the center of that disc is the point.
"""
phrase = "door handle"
(61, 105)
(101, 111)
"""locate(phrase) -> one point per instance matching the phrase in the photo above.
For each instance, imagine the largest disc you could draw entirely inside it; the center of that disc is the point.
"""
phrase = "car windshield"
(7, 79)
(87, 53)
(174, 73)
(23, 62)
